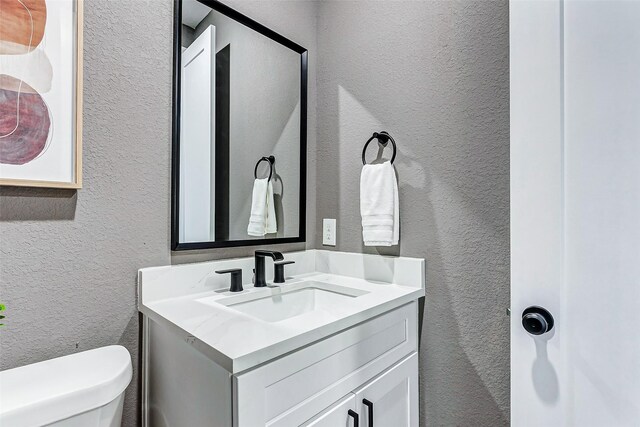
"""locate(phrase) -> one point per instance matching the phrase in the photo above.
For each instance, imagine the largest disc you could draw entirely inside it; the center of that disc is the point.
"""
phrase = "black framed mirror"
(239, 151)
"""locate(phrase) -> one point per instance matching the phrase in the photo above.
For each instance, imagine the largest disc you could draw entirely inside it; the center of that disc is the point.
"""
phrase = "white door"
(197, 139)
(341, 414)
(391, 399)
(575, 211)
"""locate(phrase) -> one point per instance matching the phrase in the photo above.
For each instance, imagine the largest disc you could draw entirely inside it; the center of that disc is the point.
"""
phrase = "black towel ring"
(271, 160)
(383, 138)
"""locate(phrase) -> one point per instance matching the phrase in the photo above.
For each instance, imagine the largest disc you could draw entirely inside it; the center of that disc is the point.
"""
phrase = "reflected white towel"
(379, 205)
(263, 214)
(272, 225)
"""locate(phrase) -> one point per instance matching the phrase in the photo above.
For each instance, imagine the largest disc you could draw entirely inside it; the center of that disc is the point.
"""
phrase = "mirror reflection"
(241, 135)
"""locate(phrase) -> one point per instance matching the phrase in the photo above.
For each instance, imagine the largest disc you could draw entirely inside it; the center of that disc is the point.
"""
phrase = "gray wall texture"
(435, 74)
(68, 260)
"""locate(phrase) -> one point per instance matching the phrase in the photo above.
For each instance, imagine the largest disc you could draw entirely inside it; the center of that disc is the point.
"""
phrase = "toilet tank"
(82, 389)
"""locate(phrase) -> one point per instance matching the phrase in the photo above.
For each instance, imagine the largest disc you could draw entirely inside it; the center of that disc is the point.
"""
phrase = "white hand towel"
(263, 216)
(272, 226)
(379, 205)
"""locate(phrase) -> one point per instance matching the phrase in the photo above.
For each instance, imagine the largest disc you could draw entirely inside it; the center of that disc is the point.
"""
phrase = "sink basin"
(290, 304)
(277, 304)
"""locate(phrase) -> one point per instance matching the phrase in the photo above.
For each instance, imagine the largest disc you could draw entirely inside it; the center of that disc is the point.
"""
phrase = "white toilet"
(80, 390)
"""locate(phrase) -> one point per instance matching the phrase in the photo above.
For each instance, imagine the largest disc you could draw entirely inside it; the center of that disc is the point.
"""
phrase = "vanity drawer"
(294, 388)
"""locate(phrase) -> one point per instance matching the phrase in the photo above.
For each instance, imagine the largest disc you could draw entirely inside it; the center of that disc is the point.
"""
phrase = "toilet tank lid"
(49, 391)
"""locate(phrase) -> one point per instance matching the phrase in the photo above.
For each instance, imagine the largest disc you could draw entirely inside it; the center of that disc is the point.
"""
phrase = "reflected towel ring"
(383, 138)
(271, 160)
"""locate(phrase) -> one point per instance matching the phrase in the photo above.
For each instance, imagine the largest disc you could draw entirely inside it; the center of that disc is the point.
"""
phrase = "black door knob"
(537, 320)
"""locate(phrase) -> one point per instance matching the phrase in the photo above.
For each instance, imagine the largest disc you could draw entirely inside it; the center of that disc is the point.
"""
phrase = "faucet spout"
(260, 255)
(275, 255)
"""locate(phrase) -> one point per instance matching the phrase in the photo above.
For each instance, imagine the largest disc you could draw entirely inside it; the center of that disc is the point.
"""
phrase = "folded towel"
(263, 214)
(379, 205)
(272, 225)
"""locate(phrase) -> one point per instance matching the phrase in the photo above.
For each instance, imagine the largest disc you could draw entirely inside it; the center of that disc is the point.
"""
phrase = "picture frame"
(41, 94)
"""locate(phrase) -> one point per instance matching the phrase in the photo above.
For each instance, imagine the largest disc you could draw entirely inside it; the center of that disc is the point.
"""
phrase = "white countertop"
(238, 341)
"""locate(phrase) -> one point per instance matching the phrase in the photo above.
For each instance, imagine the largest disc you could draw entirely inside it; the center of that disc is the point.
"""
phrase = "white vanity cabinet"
(295, 388)
(336, 345)
(390, 399)
(316, 385)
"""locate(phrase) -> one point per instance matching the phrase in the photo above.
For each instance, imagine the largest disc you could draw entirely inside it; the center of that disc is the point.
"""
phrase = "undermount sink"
(277, 304)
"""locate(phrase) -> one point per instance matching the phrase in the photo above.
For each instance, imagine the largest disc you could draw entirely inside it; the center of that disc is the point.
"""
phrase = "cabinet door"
(391, 399)
(337, 415)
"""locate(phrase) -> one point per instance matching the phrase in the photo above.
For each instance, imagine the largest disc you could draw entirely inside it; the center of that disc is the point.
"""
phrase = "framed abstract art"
(41, 93)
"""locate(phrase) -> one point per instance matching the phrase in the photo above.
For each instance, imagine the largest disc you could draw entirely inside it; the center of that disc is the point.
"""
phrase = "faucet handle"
(236, 278)
(278, 275)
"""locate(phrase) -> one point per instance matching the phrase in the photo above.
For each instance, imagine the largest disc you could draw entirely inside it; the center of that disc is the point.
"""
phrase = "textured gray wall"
(68, 260)
(435, 75)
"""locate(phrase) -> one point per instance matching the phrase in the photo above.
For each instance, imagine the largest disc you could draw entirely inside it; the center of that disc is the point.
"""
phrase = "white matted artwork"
(41, 93)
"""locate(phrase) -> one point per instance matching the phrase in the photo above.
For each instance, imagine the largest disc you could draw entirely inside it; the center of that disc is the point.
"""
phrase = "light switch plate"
(329, 232)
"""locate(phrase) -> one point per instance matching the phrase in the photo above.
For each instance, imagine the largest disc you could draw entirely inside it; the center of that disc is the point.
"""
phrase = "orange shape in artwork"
(22, 25)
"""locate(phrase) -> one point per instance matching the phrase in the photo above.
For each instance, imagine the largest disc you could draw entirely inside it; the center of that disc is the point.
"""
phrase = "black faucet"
(260, 255)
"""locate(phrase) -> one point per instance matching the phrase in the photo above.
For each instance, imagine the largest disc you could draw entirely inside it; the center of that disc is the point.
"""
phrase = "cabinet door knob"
(356, 418)
(369, 405)
(537, 320)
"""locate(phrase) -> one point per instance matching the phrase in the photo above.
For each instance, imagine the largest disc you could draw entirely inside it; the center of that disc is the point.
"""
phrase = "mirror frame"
(216, 5)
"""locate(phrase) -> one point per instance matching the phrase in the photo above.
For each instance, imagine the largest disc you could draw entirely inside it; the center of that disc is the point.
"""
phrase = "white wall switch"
(329, 232)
